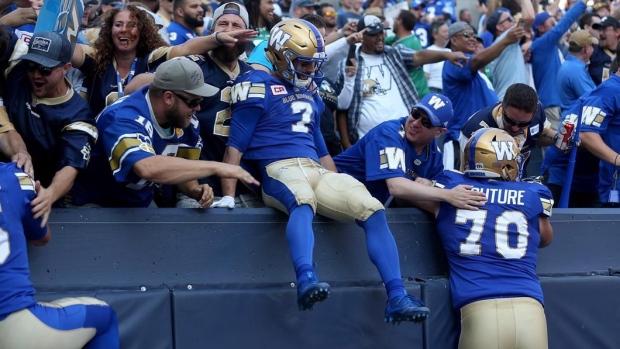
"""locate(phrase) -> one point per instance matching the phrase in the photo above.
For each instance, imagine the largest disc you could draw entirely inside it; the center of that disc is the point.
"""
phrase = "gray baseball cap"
(456, 28)
(181, 74)
(233, 8)
(49, 49)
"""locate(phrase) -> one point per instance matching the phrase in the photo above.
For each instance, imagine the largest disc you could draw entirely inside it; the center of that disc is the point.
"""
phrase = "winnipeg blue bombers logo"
(504, 150)
(278, 38)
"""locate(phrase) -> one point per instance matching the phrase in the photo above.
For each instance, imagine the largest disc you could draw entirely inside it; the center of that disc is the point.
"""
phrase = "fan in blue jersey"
(83, 322)
(129, 44)
(600, 133)
(492, 252)
(397, 156)
(276, 124)
(54, 121)
(521, 115)
(152, 137)
(187, 17)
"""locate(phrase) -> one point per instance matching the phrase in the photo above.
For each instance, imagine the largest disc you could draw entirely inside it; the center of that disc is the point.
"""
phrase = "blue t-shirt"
(492, 252)
(179, 34)
(469, 92)
(258, 56)
(129, 133)
(385, 153)
(423, 31)
(17, 225)
(272, 120)
(573, 81)
(600, 114)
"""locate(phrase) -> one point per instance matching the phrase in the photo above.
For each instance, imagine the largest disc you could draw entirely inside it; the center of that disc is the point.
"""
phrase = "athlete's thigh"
(65, 323)
(344, 198)
(531, 324)
(484, 325)
(289, 183)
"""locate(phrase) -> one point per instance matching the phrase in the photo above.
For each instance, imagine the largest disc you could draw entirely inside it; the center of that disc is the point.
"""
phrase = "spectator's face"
(603, 12)
(86, 14)
(229, 22)
(464, 41)
(330, 16)
(419, 130)
(357, 4)
(516, 120)
(609, 38)
(125, 33)
(505, 22)
(192, 13)
(180, 113)
(594, 32)
(442, 34)
(466, 16)
(373, 44)
(546, 26)
(302, 11)
(45, 82)
(166, 5)
(266, 10)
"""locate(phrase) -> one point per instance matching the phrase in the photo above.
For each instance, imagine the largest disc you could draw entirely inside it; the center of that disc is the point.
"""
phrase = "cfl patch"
(278, 90)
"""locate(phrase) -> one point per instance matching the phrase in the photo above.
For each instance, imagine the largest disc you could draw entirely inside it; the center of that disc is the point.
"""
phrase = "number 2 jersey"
(17, 225)
(272, 120)
(129, 133)
(492, 252)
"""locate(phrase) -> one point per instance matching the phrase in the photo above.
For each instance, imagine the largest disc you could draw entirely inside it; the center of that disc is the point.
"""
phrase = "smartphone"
(522, 23)
(350, 55)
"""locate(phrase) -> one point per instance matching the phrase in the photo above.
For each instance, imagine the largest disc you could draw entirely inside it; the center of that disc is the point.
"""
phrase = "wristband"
(215, 40)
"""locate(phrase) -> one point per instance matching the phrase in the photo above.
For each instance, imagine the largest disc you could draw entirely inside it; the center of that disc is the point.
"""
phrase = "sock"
(383, 252)
(300, 238)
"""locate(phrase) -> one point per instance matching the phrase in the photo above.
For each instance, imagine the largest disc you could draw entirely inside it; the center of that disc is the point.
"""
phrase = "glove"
(226, 201)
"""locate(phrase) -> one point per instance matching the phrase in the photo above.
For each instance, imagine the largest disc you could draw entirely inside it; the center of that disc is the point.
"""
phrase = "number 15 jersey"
(492, 252)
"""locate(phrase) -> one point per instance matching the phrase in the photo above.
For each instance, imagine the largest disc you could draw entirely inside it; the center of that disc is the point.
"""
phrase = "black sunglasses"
(513, 122)
(43, 70)
(417, 115)
(467, 35)
(192, 103)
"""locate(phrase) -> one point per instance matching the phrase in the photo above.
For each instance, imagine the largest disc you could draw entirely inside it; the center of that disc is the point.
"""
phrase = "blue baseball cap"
(437, 107)
(540, 20)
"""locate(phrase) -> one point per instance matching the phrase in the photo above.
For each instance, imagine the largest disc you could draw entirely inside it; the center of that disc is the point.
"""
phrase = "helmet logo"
(504, 150)
(278, 38)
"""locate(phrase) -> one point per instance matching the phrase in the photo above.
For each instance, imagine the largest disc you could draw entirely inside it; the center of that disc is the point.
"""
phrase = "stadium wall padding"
(185, 278)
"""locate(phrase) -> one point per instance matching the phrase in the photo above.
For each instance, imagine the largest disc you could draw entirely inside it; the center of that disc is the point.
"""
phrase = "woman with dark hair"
(262, 18)
(129, 44)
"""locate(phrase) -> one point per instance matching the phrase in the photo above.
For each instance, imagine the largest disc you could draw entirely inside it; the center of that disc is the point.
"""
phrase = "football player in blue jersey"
(276, 124)
(396, 157)
(152, 137)
(600, 133)
(54, 121)
(492, 252)
(83, 322)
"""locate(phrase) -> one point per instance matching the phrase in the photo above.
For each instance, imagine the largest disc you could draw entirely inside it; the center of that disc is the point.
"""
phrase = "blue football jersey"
(129, 133)
(16, 226)
(384, 153)
(214, 116)
(179, 34)
(600, 114)
(492, 252)
(272, 120)
(58, 131)
(102, 90)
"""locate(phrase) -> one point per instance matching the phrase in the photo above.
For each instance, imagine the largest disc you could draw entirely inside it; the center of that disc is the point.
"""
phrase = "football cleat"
(405, 308)
(310, 291)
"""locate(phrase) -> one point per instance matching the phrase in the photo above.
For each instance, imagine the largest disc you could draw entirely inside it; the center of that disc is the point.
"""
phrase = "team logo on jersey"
(504, 150)
(86, 152)
(179, 132)
(278, 90)
(593, 116)
(247, 89)
(392, 158)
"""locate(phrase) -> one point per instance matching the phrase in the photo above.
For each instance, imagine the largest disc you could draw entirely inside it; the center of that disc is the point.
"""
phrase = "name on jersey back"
(502, 196)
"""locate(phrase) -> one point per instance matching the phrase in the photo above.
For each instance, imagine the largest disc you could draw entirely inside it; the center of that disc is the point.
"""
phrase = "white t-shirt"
(382, 100)
(434, 70)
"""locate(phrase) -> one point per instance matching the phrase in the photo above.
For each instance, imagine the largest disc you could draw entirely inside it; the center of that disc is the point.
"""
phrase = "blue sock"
(107, 336)
(300, 238)
(383, 252)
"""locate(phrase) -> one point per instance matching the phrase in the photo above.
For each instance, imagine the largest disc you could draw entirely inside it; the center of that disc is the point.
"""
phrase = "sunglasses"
(192, 103)
(513, 122)
(43, 70)
(425, 121)
(467, 35)
(508, 19)
(330, 14)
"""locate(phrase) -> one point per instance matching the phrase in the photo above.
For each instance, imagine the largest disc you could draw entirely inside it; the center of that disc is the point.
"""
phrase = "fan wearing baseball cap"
(398, 157)
(387, 90)
(573, 78)
(152, 137)
(604, 53)
(55, 123)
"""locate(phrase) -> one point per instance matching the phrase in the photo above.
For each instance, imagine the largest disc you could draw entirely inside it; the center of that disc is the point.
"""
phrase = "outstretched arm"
(203, 44)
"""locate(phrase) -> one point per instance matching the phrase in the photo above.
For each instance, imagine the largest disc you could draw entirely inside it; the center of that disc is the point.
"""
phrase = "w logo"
(278, 38)
(436, 102)
(504, 150)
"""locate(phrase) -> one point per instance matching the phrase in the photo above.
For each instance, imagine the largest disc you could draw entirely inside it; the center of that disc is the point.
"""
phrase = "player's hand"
(42, 204)
(226, 201)
(462, 196)
(230, 38)
(233, 171)
(457, 58)
(19, 17)
(24, 161)
(202, 193)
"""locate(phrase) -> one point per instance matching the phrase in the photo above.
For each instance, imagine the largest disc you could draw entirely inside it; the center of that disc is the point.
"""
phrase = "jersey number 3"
(305, 109)
(471, 246)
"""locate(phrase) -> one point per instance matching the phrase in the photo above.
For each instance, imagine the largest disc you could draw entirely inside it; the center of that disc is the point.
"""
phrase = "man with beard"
(187, 16)
(520, 114)
(603, 55)
(151, 137)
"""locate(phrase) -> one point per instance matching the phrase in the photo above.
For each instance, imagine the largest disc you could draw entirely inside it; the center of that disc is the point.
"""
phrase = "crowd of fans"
(521, 68)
